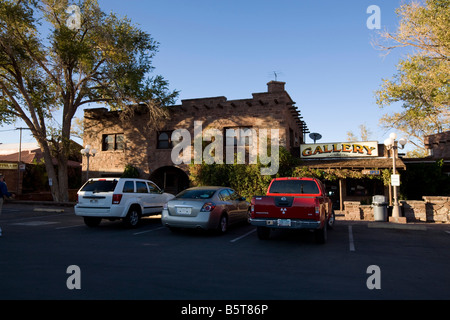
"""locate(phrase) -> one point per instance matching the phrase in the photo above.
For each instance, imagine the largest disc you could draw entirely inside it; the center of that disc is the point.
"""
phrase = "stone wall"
(431, 209)
(437, 209)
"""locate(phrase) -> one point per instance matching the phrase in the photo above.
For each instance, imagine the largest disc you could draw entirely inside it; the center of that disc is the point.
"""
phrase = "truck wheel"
(133, 217)
(332, 220)
(263, 233)
(321, 234)
(92, 221)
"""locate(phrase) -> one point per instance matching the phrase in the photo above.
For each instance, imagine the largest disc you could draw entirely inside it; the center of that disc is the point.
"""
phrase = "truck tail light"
(208, 207)
(116, 198)
(317, 207)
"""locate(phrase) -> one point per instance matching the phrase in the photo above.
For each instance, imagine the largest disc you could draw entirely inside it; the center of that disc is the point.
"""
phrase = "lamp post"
(391, 144)
(88, 152)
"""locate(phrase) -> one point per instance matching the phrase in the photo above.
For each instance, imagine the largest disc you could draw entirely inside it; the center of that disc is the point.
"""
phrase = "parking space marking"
(244, 235)
(350, 238)
(77, 225)
(159, 228)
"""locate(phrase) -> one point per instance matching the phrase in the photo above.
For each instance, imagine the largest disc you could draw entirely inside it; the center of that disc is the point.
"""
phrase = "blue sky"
(322, 50)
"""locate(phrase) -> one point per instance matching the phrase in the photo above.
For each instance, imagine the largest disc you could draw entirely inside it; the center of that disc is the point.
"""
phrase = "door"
(158, 198)
(145, 197)
(241, 206)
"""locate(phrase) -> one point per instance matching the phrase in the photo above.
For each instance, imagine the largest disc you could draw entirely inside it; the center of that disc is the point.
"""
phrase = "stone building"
(148, 147)
(438, 145)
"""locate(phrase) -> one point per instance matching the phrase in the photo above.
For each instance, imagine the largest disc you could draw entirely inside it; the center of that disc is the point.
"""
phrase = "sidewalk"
(43, 203)
(13, 209)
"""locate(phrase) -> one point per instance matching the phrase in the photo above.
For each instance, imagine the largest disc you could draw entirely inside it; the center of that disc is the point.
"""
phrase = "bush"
(130, 172)
(246, 179)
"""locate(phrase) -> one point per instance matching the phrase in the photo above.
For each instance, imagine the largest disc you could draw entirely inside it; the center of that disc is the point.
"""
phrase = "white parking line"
(136, 233)
(78, 225)
(244, 235)
(350, 238)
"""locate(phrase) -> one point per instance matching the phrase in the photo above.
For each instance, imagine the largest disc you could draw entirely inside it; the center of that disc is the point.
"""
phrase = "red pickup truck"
(293, 203)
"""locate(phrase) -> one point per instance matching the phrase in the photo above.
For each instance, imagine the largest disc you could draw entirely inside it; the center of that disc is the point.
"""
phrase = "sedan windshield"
(196, 194)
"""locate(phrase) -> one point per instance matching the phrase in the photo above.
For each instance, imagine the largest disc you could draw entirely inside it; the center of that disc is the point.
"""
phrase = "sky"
(322, 49)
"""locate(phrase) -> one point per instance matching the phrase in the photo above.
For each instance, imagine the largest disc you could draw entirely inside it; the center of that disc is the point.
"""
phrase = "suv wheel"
(133, 217)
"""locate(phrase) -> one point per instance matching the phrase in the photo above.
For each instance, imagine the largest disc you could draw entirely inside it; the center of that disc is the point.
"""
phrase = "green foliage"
(425, 179)
(130, 172)
(106, 60)
(422, 82)
(246, 179)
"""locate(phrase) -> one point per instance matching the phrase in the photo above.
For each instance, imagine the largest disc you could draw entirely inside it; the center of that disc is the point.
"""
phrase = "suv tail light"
(208, 207)
(116, 198)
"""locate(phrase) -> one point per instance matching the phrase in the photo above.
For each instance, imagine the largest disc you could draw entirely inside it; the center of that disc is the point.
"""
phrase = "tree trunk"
(51, 172)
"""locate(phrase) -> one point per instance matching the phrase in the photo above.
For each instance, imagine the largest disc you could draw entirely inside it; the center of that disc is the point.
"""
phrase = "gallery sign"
(339, 150)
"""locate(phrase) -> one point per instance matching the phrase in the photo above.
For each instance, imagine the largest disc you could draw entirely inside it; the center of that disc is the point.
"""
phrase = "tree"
(365, 134)
(422, 81)
(85, 56)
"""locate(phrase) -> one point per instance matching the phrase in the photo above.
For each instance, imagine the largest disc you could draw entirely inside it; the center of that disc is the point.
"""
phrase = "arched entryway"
(171, 179)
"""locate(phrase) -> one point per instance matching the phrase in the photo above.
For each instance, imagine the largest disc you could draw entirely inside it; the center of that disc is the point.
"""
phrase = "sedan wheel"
(223, 224)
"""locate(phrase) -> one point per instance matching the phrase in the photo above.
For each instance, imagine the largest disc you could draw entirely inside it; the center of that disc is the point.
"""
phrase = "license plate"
(183, 210)
(284, 222)
(93, 200)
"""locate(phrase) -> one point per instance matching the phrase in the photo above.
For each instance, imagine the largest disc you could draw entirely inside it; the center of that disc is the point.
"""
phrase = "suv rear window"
(100, 185)
(294, 186)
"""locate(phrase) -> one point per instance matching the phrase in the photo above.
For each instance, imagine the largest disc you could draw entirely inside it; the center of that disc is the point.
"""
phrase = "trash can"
(379, 206)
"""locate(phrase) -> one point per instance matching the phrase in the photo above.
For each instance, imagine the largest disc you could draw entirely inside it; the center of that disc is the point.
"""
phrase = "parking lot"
(361, 260)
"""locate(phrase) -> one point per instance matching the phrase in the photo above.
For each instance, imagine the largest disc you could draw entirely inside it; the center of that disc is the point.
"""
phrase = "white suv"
(119, 198)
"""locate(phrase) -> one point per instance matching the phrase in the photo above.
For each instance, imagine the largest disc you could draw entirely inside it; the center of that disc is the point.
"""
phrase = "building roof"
(30, 154)
(357, 163)
(10, 148)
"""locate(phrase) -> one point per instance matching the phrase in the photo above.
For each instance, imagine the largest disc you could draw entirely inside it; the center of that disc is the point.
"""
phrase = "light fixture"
(391, 144)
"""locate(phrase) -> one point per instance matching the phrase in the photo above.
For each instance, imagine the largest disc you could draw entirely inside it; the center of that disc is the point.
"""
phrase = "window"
(196, 194)
(128, 187)
(141, 187)
(111, 142)
(224, 195)
(164, 140)
(100, 185)
(238, 135)
(153, 188)
(294, 187)
(233, 194)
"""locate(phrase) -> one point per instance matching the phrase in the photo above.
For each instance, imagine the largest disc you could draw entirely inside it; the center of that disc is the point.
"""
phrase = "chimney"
(275, 86)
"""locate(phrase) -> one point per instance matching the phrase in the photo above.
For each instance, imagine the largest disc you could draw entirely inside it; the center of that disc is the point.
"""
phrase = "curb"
(390, 225)
(48, 210)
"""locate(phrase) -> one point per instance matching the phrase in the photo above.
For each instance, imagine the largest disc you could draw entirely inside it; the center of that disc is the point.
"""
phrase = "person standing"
(3, 194)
